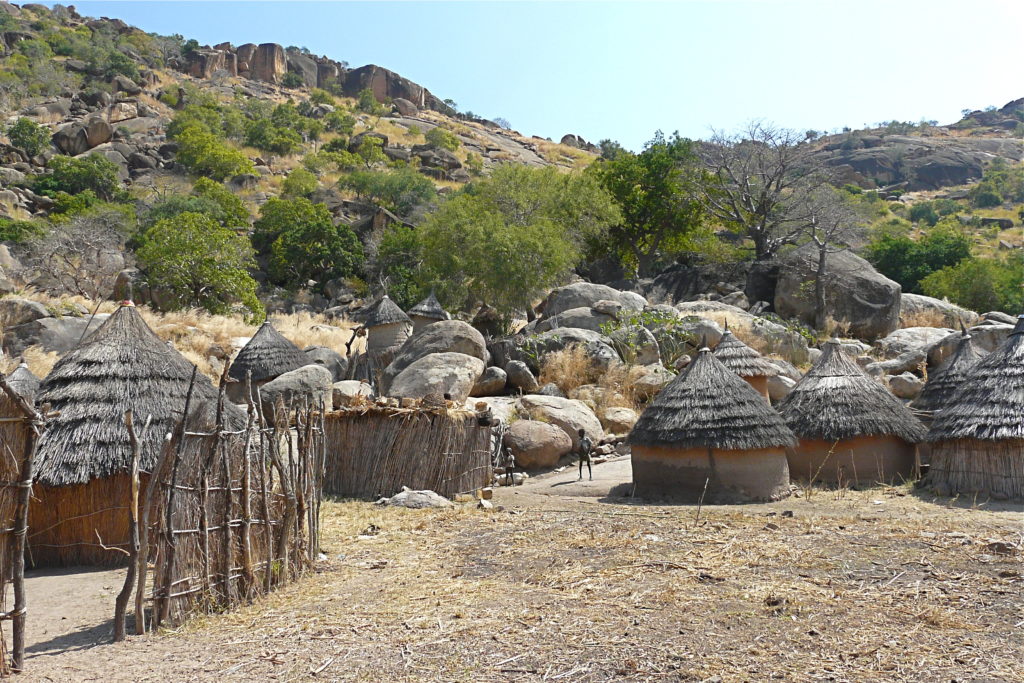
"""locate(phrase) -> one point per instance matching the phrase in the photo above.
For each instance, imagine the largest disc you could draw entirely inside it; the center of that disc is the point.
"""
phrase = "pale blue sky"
(622, 70)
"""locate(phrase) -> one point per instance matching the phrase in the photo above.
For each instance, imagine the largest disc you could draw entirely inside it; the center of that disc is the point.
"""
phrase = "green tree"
(209, 198)
(73, 175)
(442, 138)
(907, 261)
(398, 264)
(299, 183)
(303, 244)
(658, 192)
(981, 284)
(203, 153)
(401, 190)
(367, 102)
(191, 260)
(265, 135)
(29, 136)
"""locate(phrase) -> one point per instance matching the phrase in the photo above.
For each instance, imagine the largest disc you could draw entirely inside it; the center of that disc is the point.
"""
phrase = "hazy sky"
(622, 70)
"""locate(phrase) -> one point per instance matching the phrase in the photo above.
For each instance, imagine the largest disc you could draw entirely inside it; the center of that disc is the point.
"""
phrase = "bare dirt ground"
(565, 583)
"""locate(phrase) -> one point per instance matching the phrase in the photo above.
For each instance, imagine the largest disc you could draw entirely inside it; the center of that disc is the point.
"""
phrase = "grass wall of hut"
(732, 476)
(863, 460)
(972, 466)
(67, 523)
(375, 451)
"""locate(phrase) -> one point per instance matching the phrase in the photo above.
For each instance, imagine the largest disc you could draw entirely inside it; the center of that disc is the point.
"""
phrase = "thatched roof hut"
(944, 382)
(426, 312)
(709, 427)
(267, 356)
(84, 456)
(745, 362)
(978, 437)
(851, 428)
(23, 381)
(387, 325)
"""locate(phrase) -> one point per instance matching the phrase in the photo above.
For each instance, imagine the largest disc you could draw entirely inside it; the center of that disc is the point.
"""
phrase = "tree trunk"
(819, 289)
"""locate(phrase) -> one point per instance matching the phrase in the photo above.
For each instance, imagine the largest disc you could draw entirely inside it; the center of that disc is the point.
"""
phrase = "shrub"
(444, 139)
(292, 80)
(19, 231)
(203, 153)
(980, 284)
(340, 122)
(319, 96)
(208, 198)
(269, 137)
(908, 262)
(400, 190)
(299, 183)
(29, 136)
(367, 102)
(73, 175)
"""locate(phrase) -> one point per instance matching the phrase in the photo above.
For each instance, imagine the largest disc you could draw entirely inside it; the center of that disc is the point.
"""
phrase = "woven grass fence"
(374, 451)
(231, 514)
(983, 467)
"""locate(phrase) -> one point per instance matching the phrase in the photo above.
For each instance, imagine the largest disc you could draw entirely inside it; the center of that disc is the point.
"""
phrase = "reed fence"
(375, 450)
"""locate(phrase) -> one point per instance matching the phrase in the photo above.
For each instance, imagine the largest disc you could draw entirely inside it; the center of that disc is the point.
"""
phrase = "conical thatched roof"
(267, 355)
(989, 405)
(944, 382)
(741, 359)
(24, 382)
(122, 365)
(709, 406)
(429, 308)
(383, 311)
(835, 400)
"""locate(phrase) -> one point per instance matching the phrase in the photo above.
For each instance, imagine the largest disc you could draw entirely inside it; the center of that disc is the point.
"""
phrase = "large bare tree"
(758, 178)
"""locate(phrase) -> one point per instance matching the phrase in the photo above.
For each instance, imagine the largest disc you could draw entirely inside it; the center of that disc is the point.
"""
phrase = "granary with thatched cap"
(710, 428)
(267, 356)
(977, 438)
(944, 382)
(23, 381)
(745, 362)
(387, 325)
(851, 428)
(426, 312)
(84, 457)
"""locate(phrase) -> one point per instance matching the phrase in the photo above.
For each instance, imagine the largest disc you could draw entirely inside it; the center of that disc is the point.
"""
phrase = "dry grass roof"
(267, 355)
(944, 382)
(23, 381)
(989, 405)
(709, 406)
(835, 401)
(384, 311)
(741, 359)
(122, 365)
(429, 308)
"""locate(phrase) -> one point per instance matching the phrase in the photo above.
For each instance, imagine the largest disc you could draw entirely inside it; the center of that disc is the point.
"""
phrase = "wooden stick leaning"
(121, 603)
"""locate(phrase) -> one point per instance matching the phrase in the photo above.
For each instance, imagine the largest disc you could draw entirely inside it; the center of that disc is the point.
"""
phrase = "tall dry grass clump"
(568, 369)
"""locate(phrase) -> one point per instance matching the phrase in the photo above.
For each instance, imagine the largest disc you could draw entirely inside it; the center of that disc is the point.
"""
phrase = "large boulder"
(986, 337)
(919, 339)
(503, 408)
(764, 335)
(268, 63)
(350, 391)
(304, 66)
(438, 373)
(918, 310)
(585, 295)
(535, 444)
(652, 380)
(520, 377)
(312, 383)
(567, 413)
(328, 358)
(906, 385)
(444, 336)
(856, 295)
(15, 311)
(416, 500)
(636, 345)
(596, 345)
(617, 420)
(491, 383)
(586, 318)
(779, 387)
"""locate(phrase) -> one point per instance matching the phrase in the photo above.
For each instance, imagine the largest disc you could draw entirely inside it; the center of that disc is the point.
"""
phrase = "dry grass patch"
(568, 369)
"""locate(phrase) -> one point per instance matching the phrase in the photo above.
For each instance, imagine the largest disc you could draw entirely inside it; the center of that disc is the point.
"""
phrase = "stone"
(906, 385)
(652, 381)
(702, 328)
(583, 318)
(919, 310)
(536, 444)
(405, 107)
(311, 383)
(384, 84)
(779, 387)
(520, 377)
(491, 383)
(986, 337)
(617, 420)
(551, 389)
(438, 374)
(856, 295)
(304, 66)
(444, 336)
(350, 392)
(764, 335)
(15, 311)
(737, 299)
(328, 358)
(126, 85)
(918, 339)
(267, 63)
(636, 345)
(569, 414)
(598, 346)
(417, 500)
(585, 295)
(122, 111)
(607, 307)
(503, 408)
(999, 317)
(909, 361)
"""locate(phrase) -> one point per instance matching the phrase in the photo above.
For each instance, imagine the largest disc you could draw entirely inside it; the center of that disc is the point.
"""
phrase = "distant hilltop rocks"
(270, 62)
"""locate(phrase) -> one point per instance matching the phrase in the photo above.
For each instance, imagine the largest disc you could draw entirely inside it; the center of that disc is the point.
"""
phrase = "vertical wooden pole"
(247, 493)
(268, 531)
(121, 603)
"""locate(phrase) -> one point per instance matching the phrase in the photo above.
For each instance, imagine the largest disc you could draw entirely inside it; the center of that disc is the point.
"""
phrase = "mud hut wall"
(760, 384)
(419, 322)
(976, 466)
(862, 460)
(732, 476)
(387, 336)
(377, 452)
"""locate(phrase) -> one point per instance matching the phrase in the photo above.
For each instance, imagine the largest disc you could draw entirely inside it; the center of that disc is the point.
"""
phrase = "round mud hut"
(852, 430)
(745, 362)
(710, 435)
(942, 384)
(83, 482)
(977, 439)
(387, 326)
(427, 312)
(267, 356)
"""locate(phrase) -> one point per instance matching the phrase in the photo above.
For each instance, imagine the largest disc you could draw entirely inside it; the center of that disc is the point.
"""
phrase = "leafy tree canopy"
(401, 190)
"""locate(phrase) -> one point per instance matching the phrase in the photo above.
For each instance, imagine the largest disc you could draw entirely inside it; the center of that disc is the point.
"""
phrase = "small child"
(585, 445)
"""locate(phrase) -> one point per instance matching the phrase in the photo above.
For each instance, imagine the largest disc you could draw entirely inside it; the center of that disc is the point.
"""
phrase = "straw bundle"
(710, 406)
(943, 383)
(267, 355)
(836, 401)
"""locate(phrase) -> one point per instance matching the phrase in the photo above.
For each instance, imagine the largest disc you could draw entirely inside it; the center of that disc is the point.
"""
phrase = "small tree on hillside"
(27, 135)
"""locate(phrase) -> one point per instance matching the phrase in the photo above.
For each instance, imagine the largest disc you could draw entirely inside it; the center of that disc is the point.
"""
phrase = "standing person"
(585, 446)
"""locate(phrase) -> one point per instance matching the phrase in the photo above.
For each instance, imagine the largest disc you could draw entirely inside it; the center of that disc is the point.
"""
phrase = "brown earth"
(565, 583)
